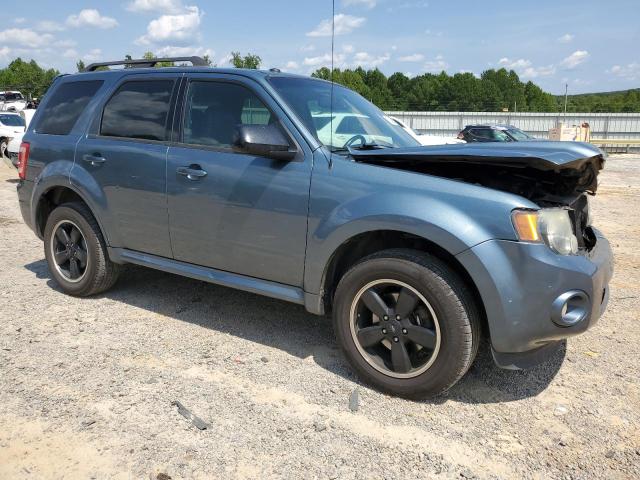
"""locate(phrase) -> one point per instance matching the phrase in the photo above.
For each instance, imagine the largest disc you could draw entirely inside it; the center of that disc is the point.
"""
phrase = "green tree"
(80, 65)
(27, 77)
(248, 61)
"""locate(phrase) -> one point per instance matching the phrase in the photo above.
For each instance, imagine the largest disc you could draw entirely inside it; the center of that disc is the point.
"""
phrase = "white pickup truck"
(12, 101)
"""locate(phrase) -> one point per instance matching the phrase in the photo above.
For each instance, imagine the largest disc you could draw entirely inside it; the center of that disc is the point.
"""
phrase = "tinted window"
(138, 110)
(215, 109)
(12, 120)
(65, 106)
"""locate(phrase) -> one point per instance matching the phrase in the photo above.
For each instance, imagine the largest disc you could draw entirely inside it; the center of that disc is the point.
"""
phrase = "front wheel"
(406, 322)
(3, 148)
(76, 251)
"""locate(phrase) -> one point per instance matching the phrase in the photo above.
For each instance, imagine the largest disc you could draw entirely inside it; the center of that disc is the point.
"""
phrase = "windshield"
(13, 96)
(12, 120)
(354, 122)
(519, 134)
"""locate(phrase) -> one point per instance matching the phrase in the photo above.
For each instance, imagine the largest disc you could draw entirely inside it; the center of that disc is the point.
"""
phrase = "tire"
(99, 272)
(450, 315)
(3, 148)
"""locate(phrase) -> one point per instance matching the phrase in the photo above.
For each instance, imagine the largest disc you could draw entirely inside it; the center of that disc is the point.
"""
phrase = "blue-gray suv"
(298, 189)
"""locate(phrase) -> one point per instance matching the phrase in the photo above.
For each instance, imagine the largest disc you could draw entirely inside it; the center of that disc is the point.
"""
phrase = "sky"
(590, 45)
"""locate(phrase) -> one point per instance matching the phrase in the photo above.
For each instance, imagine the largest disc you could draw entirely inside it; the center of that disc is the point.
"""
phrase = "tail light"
(23, 158)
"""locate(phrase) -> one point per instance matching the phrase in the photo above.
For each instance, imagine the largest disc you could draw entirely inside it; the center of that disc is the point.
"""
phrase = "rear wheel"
(3, 148)
(76, 251)
(406, 323)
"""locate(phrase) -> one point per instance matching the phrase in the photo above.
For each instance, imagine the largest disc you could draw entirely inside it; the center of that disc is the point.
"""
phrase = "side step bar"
(210, 275)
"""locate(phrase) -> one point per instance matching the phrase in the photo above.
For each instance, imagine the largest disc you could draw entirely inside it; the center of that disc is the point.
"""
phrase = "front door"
(126, 155)
(233, 211)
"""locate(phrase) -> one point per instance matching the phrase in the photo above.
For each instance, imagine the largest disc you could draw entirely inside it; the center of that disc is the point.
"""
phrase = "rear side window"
(64, 107)
(138, 109)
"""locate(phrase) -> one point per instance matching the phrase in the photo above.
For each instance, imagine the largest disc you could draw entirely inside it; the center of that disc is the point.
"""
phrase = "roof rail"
(146, 63)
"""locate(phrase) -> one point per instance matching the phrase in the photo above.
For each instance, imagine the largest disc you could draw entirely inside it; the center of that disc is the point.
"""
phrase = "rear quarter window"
(138, 109)
(65, 105)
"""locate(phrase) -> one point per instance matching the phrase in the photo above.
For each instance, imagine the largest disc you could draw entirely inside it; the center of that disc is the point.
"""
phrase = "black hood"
(541, 171)
(541, 155)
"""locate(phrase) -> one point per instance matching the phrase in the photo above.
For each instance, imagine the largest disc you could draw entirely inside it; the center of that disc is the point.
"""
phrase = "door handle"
(192, 172)
(94, 159)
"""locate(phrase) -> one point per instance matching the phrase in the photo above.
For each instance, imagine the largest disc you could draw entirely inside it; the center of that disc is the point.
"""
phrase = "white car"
(346, 126)
(11, 125)
(426, 139)
(12, 101)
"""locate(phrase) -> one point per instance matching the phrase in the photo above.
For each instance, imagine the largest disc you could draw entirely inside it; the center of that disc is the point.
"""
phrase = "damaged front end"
(550, 174)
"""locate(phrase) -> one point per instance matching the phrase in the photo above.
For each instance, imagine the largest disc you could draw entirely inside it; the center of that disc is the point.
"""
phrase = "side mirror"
(263, 140)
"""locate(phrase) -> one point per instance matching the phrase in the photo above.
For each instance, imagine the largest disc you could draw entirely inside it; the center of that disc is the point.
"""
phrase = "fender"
(454, 215)
(58, 174)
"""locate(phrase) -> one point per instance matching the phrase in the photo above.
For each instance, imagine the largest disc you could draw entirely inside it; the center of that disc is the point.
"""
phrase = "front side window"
(341, 118)
(138, 109)
(214, 110)
(64, 107)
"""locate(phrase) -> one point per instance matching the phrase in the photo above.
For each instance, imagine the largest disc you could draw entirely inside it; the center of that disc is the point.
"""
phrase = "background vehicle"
(427, 139)
(13, 147)
(494, 133)
(11, 125)
(229, 176)
(12, 101)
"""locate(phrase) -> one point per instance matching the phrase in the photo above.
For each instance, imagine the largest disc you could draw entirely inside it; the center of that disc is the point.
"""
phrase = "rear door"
(125, 153)
(236, 212)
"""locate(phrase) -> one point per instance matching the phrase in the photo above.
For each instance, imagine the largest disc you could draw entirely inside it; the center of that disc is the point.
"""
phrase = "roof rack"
(147, 63)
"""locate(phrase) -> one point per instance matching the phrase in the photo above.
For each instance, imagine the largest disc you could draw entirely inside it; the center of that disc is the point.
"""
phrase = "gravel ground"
(87, 385)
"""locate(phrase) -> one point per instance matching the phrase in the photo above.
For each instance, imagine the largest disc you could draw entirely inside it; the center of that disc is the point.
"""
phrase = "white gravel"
(87, 385)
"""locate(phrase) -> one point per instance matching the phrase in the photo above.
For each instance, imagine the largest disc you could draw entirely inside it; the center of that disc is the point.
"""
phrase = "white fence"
(603, 125)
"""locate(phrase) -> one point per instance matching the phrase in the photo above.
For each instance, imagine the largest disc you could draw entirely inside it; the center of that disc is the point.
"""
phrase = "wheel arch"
(364, 244)
(54, 196)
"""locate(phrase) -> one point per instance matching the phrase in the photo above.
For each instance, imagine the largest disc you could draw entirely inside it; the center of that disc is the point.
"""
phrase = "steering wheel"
(354, 139)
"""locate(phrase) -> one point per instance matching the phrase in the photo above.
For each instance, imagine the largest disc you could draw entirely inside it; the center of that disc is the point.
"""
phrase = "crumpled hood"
(542, 155)
(545, 172)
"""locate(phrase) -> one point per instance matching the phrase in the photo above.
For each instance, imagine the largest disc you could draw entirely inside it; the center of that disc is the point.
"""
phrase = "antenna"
(333, 39)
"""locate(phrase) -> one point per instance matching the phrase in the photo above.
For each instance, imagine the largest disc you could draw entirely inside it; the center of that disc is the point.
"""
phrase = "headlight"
(550, 225)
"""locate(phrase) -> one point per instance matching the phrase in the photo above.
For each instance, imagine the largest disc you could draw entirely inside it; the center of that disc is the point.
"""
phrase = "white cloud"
(70, 53)
(319, 60)
(344, 24)
(631, 71)
(526, 69)
(64, 43)
(5, 52)
(360, 3)
(291, 65)
(173, 28)
(25, 37)
(519, 64)
(90, 17)
(171, 51)
(93, 55)
(416, 57)
(566, 38)
(19, 20)
(308, 48)
(365, 59)
(49, 26)
(161, 6)
(575, 59)
(436, 66)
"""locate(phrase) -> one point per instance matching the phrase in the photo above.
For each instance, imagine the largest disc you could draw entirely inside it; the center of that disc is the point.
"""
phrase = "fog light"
(570, 308)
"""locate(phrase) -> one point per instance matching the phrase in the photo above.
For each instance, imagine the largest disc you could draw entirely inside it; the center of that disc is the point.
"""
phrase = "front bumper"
(519, 282)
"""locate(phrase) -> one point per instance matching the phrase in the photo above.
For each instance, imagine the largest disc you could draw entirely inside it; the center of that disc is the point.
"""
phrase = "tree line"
(494, 90)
